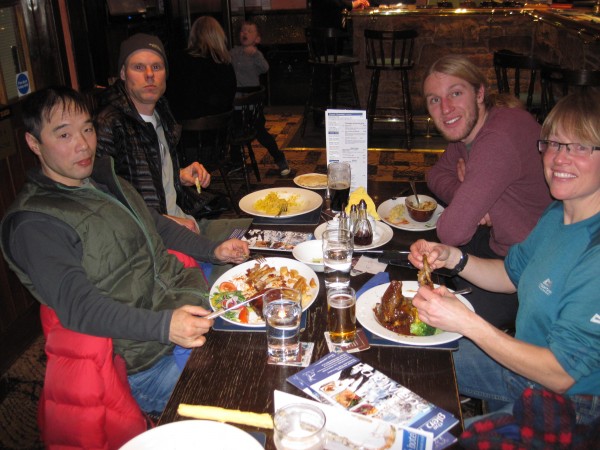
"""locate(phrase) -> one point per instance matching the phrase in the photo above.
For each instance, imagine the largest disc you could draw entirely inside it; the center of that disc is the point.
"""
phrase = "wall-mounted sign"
(23, 84)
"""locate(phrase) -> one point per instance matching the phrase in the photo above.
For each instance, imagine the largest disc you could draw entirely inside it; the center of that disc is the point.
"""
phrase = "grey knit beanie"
(141, 41)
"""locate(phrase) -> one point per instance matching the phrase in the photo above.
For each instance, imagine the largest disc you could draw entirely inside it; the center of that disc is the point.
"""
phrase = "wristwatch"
(462, 262)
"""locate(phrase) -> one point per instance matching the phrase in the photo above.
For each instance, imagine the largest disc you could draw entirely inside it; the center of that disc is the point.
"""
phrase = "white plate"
(299, 180)
(193, 434)
(307, 201)
(364, 313)
(411, 225)
(384, 235)
(237, 274)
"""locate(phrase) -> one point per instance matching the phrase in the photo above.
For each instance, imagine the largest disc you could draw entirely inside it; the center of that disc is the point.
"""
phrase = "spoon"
(414, 190)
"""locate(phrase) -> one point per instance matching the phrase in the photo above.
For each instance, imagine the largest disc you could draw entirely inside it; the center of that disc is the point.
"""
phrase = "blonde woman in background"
(203, 81)
(202, 84)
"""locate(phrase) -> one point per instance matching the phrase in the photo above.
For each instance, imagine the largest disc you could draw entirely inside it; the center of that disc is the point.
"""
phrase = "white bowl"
(310, 253)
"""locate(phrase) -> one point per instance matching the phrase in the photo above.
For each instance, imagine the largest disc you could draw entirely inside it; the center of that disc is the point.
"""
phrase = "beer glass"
(338, 184)
(341, 315)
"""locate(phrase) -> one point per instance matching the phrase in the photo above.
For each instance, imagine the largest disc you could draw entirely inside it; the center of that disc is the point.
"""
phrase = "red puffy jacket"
(86, 401)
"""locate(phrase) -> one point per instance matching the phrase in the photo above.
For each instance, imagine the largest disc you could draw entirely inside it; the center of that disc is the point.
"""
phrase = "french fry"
(300, 285)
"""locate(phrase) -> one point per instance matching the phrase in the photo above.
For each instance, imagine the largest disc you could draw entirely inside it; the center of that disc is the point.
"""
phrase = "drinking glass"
(299, 426)
(338, 246)
(282, 310)
(341, 315)
(338, 184)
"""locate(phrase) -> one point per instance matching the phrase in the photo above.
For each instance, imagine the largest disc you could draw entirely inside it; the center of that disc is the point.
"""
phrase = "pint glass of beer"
(341, 314)
(338, 184)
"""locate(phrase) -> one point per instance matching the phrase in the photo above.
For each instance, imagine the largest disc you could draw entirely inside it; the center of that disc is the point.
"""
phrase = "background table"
(231, 369)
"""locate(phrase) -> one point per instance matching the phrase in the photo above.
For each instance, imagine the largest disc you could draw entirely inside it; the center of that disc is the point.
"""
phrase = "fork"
(282, 209)
(260, 259)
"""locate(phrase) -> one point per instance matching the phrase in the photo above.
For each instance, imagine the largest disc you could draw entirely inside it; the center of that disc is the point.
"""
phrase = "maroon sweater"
(504, 177)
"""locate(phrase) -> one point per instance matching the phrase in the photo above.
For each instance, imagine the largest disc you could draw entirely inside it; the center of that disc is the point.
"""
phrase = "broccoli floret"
(421, 329)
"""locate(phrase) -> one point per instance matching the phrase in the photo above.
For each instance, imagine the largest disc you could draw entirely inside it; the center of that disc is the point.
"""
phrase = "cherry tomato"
(227, 286)
(244, 314)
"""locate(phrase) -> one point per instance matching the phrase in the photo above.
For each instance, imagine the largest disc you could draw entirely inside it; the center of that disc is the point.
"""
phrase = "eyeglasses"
(573, 148)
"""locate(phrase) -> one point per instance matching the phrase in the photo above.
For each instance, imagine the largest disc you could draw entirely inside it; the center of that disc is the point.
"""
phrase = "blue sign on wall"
(23, 85)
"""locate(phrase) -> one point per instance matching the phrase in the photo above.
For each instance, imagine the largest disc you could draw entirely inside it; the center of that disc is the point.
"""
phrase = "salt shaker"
(353, 217)
(344, 221)
(363, 232)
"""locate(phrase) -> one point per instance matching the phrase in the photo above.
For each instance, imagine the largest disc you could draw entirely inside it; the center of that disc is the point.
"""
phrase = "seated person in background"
(84, 243)
(136, 127)
(556, 272)
(249, 63)
(202, 83)
(490, 176)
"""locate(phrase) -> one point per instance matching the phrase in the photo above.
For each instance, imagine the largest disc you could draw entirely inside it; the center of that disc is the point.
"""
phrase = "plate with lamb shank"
(387, 311)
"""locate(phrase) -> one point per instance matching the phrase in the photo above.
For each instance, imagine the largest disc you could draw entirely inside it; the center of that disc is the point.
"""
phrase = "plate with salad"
(251, 278)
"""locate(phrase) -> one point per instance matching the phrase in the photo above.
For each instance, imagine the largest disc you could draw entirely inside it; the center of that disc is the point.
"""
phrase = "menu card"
(346, 140)
(352, 431)
(343, 381)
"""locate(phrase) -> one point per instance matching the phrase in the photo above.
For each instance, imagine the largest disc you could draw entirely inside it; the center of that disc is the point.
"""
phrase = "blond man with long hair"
(490, 175)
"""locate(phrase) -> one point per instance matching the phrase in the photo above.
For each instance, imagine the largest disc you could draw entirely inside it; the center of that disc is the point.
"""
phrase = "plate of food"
(188, 434)
(383, 235)
(394, 213)
(269, 202)
(312, 181)
(371, 312)
(250, 278)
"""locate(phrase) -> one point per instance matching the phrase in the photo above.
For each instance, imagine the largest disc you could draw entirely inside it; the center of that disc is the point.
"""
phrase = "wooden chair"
(211, 147)
(558, 82)
(506, 61)
(325, 55)
(390, 51)
(248, 109)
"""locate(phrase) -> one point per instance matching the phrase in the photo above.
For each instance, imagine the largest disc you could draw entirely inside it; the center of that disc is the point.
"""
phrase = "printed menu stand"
(347, 141)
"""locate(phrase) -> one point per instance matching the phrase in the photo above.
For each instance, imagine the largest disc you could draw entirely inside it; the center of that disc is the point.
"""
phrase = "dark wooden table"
(231, 371)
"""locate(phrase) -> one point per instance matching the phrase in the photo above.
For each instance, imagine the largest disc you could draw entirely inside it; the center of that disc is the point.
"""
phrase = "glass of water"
(299, 426)
(338, 246)
(282, 310)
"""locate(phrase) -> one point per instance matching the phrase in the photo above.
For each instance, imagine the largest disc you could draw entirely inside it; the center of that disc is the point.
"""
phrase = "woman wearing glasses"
(555, 270)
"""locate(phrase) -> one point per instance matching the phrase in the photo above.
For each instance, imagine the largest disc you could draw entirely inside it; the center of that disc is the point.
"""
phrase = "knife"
(399, 258)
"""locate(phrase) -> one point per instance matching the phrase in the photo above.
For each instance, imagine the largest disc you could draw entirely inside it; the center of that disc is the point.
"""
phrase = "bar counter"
(569, 38)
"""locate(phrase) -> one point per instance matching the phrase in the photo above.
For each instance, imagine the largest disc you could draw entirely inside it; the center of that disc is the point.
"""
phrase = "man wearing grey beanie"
(136, 127)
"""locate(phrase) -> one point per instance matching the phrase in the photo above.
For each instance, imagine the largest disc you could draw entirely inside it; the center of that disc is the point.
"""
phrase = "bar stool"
(390, 51)
(212, 147)
(325, 48)
(506, 61)
(248, 107)
(557, 81)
